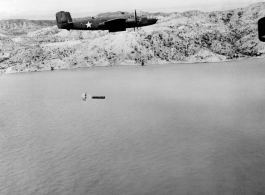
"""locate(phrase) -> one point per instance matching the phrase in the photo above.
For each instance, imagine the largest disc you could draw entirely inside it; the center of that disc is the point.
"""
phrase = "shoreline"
(133, 64)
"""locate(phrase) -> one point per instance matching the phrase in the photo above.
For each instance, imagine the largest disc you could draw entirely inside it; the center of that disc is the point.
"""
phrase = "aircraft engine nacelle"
(113, 25)
(261, 29)
(64, 20)
(117, 29)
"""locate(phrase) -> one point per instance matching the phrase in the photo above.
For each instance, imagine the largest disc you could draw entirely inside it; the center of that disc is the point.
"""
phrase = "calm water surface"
(171, 129)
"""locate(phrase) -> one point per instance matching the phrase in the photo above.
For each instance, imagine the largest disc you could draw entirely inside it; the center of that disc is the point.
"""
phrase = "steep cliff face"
(189, 37)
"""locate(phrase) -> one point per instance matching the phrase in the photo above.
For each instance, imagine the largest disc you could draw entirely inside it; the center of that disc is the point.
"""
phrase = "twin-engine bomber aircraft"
(111, 23)
(261, 29)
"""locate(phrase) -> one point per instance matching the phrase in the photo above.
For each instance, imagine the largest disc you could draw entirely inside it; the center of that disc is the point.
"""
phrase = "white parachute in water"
(85, 96)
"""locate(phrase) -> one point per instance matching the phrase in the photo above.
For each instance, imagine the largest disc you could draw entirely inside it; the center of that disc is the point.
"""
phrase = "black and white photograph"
(132, 97)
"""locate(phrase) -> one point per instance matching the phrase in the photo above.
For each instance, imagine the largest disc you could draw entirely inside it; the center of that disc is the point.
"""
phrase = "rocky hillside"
(22, 26)
(187, 37)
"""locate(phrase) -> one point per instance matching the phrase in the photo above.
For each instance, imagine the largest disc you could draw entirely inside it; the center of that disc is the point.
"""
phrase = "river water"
(162, 129)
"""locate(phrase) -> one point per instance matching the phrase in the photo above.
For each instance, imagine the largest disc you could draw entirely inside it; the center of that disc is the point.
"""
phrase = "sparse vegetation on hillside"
(192, 36)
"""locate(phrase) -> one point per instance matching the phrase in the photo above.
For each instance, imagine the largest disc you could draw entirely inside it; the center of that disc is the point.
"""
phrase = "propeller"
(135, 17)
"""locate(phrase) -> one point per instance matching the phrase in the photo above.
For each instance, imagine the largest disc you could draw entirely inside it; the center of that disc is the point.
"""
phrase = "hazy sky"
(46, 9)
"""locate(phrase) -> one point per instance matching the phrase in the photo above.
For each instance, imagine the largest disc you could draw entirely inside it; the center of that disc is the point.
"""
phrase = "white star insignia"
(88, 24)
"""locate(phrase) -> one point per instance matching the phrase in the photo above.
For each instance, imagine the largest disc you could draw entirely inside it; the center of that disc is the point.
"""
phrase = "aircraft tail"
(261, 29)
(64, 20)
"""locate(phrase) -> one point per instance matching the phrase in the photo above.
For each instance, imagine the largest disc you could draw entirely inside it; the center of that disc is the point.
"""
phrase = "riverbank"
(60, 65)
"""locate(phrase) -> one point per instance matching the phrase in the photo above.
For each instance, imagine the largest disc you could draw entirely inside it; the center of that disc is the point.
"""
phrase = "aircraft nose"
(153, 20)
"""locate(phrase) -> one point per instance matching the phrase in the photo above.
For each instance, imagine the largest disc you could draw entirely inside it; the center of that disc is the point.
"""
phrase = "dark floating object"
(98, 97)
(85, 96)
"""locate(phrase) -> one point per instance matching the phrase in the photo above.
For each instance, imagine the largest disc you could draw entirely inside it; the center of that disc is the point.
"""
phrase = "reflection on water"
(173, 129)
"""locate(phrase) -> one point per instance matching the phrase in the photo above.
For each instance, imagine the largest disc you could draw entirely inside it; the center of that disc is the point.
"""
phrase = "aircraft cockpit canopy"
(151, 17)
